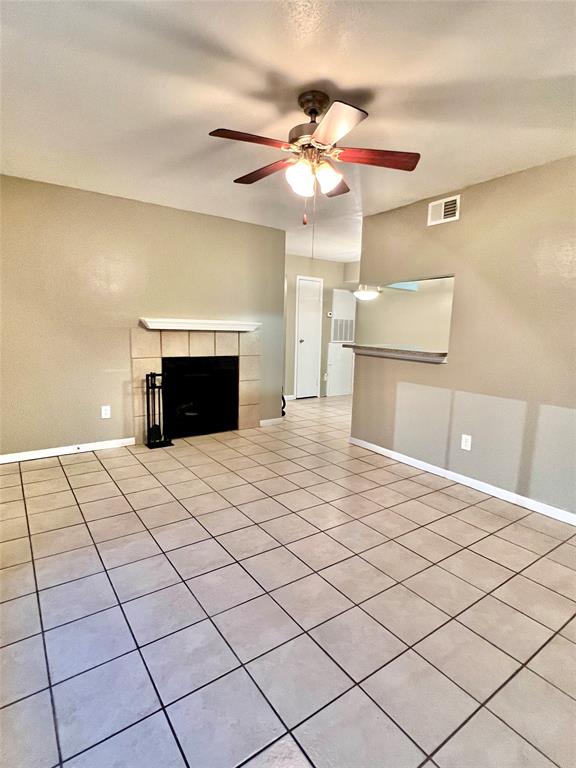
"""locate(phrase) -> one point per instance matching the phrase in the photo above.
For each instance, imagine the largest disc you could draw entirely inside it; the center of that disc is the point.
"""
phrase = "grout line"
(142, 659)
(501, 686)
(42, 634)
(560, 543)
(363, 519)
(242, 665)
(313, 639)
(352, 554)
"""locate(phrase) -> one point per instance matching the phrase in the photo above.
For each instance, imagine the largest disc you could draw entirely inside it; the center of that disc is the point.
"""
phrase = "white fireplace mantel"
(189, 324)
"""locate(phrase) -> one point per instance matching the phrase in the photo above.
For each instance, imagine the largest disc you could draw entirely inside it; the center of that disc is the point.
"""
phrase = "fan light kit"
(312, 149)
(367, 292)
(304, 173)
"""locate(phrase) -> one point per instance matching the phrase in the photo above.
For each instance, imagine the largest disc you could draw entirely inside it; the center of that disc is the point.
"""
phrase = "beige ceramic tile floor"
(278, 597)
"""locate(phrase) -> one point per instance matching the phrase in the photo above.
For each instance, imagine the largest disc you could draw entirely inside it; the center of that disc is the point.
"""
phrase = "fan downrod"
(313, 103)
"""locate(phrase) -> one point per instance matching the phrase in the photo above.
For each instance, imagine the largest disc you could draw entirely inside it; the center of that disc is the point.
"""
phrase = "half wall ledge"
(414, 355)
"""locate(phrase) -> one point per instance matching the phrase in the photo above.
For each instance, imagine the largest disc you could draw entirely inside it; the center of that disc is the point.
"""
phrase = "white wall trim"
(289, 397)
(269, 422)
(45, 453)
(190, 324)
(492, 490)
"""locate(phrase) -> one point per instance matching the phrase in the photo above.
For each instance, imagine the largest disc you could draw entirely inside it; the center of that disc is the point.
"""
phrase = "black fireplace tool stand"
(155, 437)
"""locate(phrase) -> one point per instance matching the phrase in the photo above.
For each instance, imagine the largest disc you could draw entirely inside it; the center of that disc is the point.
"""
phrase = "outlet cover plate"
(466, 442)
(105, 412)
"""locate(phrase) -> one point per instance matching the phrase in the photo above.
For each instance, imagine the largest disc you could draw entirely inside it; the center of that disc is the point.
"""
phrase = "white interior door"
(341, 360)
(340, 370)
(308, 336)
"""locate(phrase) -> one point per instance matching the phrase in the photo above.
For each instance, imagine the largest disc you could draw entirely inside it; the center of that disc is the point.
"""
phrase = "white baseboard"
(269, 422)
(289, 397)
(491, 490)
(45, 453)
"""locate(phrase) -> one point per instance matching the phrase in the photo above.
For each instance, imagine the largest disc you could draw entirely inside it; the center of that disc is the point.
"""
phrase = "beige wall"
(79, 269)
(352, 272)
(408, 319)
(332, 272)
(510, 379)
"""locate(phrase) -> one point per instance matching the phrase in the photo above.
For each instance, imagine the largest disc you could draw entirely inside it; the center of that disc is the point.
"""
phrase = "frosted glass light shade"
(328, 177)
(300, 176)
(367, 292)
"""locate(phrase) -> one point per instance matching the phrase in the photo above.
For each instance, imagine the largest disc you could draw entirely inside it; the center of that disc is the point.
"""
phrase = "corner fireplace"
(199, 395)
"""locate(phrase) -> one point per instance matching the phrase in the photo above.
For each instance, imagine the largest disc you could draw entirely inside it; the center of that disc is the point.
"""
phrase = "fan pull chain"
(314, 220)
(305, 217)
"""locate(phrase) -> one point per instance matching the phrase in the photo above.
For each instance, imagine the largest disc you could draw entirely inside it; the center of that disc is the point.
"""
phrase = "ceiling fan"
(312, 148)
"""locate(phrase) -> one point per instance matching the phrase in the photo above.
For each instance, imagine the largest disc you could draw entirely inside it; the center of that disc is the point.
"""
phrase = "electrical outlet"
(325, 376)
(105, 411)
(466, 442)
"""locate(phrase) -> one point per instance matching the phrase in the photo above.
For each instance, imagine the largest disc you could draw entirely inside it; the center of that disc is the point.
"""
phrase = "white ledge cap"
(188, 324)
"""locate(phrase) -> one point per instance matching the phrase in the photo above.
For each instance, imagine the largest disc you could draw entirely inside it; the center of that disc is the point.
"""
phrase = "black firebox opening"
(200, 395)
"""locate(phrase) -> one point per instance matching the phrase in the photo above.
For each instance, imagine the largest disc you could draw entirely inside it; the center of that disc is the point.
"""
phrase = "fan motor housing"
(313, 103)
(301, 134)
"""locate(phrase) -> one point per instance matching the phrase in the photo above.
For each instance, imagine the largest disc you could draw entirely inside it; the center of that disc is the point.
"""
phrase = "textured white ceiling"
(119, 98)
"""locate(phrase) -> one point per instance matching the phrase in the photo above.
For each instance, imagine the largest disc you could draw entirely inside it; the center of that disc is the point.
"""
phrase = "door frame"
(296, 325)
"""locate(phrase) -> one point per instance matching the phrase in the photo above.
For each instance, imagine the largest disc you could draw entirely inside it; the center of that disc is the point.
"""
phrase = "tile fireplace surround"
(147, 348)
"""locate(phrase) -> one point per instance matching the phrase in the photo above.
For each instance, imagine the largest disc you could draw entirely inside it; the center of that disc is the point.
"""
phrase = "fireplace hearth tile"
(249, 393)
(249, 368)
(201, 344)
(250, 343)
(144, 343)
(226, 343)
(174, 344)
(141, 366)
(248, 416)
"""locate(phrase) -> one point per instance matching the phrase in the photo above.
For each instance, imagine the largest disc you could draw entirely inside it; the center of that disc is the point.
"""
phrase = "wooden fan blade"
(337, 122)
(224, 133)
(401, 161)
(261, 173)
(339, 189)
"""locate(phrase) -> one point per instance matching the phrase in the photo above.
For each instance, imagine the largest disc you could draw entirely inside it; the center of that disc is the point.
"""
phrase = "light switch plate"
(466, 442)
(105, 411)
